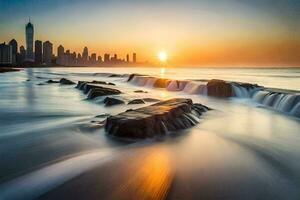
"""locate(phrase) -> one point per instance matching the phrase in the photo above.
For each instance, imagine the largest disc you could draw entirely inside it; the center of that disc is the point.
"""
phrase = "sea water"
(49, 140)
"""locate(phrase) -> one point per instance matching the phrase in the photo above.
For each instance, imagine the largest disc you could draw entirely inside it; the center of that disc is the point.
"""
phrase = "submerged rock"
(140, 91)
(109, 101)
(156, 119)
(102, 82)
(219, 88)
(137, 101)
(65, 81)
(52, 81)
(150, 100)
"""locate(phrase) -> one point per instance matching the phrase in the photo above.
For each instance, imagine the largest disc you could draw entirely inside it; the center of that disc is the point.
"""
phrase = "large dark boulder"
(109, 101)
(219, 88)
(157, 119)
(65, 81)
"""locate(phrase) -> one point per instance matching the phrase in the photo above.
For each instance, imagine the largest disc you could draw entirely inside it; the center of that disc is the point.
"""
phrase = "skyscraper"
(29, 42)
(127, 58)
(5, 54)
(134, 57)
(22, 54)
(60, 51)
(106, 58)
(85, 55)
(14, 45)
(38, 52)
(60, 55)
(47, 52)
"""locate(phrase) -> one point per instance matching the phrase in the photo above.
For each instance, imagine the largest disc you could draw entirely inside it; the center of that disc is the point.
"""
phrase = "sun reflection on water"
(150, 178)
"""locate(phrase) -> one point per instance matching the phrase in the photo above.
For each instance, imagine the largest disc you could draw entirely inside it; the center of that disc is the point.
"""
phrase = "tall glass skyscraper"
(29, 42)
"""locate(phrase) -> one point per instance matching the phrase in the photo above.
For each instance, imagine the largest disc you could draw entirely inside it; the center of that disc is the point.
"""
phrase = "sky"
(191, 32)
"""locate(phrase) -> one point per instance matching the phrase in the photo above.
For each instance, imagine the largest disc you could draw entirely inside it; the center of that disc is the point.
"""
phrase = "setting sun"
(162, 56)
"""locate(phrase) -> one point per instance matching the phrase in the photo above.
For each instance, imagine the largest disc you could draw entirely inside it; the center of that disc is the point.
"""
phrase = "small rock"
(65, 81)
(140, 91)
(136, 101)
(109, 101)
(150, 100)
(52, 81)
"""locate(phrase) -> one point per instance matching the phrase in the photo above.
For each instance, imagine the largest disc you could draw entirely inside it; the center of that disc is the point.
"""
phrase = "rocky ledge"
(154, 120)
(94, 89)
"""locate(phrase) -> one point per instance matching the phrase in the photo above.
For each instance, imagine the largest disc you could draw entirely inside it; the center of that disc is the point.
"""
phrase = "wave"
(36, 183)
(286, 101)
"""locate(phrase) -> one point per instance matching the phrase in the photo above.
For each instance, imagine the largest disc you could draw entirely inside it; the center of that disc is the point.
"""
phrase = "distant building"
(127, 58)
(106, 58)
(60, 51)
(99, 59)
(29, 42)
(14, 45)
(38, 52)
(73, 58)
(47, 52)
(134, 58)
(5, 54)
(22, 54)
(85, 55)
(60, 55)
(93, 59)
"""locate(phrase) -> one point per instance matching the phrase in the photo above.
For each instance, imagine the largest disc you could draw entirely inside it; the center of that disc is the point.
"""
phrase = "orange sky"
(234, 33)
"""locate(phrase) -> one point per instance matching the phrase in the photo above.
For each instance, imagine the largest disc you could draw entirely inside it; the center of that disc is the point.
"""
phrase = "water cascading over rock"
(157, 119)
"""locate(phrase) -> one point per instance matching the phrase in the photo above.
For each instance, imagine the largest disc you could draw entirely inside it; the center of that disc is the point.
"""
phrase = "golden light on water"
(162, 72)
(150, 177)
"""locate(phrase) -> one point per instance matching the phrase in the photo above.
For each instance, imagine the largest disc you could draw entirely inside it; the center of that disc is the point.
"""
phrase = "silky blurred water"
(51, 148)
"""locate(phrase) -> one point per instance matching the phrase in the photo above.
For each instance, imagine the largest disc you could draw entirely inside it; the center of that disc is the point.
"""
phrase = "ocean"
(246, 147)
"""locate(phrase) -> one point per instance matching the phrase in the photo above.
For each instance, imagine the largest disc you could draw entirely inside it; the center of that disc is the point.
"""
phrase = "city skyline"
(191, 32)
(38, 53)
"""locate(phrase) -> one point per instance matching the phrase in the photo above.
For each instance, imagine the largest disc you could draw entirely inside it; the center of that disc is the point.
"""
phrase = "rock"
(161, 83)
(86, 86)
(140, 91)
(131, 76)
(112, 101)
(115, 75)
(150, 100)
(103, 115)
(219, 88)
(154, 120)
(52, 81)
(97, 91)
(7, 69)
(102, 82)
(65, 81)
(136, 101)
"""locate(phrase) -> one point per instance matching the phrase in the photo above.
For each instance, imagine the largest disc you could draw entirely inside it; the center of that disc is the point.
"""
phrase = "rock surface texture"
(95, 90)
(154, 120)
(219, 88)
